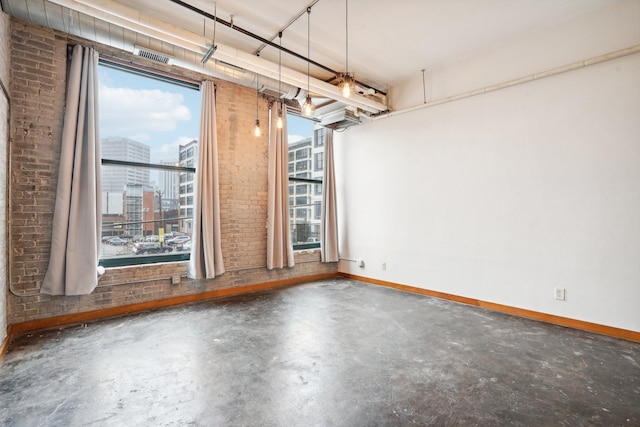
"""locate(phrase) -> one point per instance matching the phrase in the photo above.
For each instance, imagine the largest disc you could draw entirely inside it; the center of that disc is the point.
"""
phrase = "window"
(148, 150)
(305, 181)
(318, 159)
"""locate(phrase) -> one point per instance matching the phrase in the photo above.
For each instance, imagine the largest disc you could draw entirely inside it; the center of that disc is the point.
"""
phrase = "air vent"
(340, 119)
(149, 54)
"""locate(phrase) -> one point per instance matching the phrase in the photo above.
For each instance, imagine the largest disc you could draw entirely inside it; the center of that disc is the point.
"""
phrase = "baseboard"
(529, 314)
(5, 344)
(90, 316)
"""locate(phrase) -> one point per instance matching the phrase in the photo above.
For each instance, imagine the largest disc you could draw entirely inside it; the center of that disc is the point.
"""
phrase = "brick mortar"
(38, 81)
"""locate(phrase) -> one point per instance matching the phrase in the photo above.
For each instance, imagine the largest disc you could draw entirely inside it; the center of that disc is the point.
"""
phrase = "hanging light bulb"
(308, 106)
(346, 84)
(279, 122)
(256, 129)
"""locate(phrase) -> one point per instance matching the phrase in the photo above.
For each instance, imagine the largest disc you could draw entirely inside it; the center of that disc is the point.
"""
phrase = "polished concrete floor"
(330, 353)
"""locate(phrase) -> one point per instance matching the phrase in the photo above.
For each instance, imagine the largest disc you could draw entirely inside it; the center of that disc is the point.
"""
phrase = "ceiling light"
(346, 79)
(256, 129)
(308, 106)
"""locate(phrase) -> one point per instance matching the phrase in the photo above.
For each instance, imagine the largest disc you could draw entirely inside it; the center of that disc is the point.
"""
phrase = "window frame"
(165, 77)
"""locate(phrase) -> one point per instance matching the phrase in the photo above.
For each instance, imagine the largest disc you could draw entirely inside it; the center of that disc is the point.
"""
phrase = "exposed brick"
(38, 92)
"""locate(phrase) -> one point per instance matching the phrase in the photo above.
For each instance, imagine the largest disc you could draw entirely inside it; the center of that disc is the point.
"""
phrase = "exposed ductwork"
(184, 48)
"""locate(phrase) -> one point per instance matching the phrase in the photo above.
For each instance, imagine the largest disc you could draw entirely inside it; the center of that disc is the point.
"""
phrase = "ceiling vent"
(340, 119)
(150, 54)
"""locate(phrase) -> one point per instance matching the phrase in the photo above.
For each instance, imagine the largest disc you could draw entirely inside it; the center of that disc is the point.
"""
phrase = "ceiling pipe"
(133, 20)
(515, 82)
(270, 43)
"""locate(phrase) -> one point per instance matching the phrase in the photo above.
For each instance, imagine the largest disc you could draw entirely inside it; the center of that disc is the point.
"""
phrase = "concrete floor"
(330, 353)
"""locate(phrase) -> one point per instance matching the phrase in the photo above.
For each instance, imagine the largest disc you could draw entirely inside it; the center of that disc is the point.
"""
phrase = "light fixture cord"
(308, 48)
(424, 88)
(257, 90)
(280, 65)
(215, 21)
(346, 20)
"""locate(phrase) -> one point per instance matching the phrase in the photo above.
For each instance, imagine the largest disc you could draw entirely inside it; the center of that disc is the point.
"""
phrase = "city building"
(116, 178)
(188, 158)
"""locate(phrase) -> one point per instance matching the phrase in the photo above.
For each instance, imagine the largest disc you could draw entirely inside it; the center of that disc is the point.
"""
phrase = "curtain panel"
(206, 260)
(329, 230)
(77, 217)
(279, 246)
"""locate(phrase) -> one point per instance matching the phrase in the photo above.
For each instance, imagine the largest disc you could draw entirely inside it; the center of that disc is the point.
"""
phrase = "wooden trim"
(5, 344)
(529, 314)
(88, 316)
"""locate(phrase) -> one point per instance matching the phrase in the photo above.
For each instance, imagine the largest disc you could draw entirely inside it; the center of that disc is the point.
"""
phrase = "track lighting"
(213, 47)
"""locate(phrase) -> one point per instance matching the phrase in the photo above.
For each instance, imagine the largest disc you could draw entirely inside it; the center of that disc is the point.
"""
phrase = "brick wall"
(4, 135)
(38, 84)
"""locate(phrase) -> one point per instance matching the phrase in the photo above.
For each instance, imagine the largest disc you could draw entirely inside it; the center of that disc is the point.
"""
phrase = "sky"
(162, 115)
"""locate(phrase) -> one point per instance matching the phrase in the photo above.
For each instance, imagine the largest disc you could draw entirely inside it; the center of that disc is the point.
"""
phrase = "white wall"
(505, 196)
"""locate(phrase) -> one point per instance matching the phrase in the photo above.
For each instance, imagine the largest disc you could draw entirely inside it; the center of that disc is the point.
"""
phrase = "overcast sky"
(159, 114)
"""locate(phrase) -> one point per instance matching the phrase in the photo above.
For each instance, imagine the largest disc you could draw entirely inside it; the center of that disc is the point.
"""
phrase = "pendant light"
(256, 129)
(346, 84)
(279, 123)
(308, 106)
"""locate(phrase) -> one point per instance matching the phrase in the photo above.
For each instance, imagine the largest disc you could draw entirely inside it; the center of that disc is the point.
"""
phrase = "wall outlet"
(384, 265)
(175, 279)
(361, 263)
(559, 294)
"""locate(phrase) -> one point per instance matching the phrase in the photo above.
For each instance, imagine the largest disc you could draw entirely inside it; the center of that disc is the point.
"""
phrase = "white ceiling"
(388, 40)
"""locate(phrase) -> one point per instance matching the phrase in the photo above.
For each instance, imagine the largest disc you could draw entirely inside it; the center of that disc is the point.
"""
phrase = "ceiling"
(387, 41)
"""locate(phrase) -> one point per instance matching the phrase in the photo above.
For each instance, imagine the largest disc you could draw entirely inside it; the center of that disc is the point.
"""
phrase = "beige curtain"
(329, 230)
(77, 218)
(206, 249)
(279, 246)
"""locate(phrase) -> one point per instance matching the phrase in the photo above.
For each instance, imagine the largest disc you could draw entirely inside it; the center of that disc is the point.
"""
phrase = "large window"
(306, 149)
(148, 128)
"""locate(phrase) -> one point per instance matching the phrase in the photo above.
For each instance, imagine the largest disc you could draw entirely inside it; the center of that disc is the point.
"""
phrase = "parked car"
(151, 238)
(178, 240)
(150, 248)
(117, 241)
(184, 247)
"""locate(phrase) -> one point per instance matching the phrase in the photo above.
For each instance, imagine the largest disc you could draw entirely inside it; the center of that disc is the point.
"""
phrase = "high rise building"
(168, 181)
(188, 158)
(306, 161)
(116, 178)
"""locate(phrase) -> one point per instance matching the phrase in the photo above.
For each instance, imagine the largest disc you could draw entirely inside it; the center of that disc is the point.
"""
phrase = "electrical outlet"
(559, 294)
(384, 265)
(175, 279)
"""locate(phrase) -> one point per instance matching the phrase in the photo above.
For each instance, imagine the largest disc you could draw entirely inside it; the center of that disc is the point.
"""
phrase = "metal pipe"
(133, 20)
(532, 77)
(266, 42)
(288, 24)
